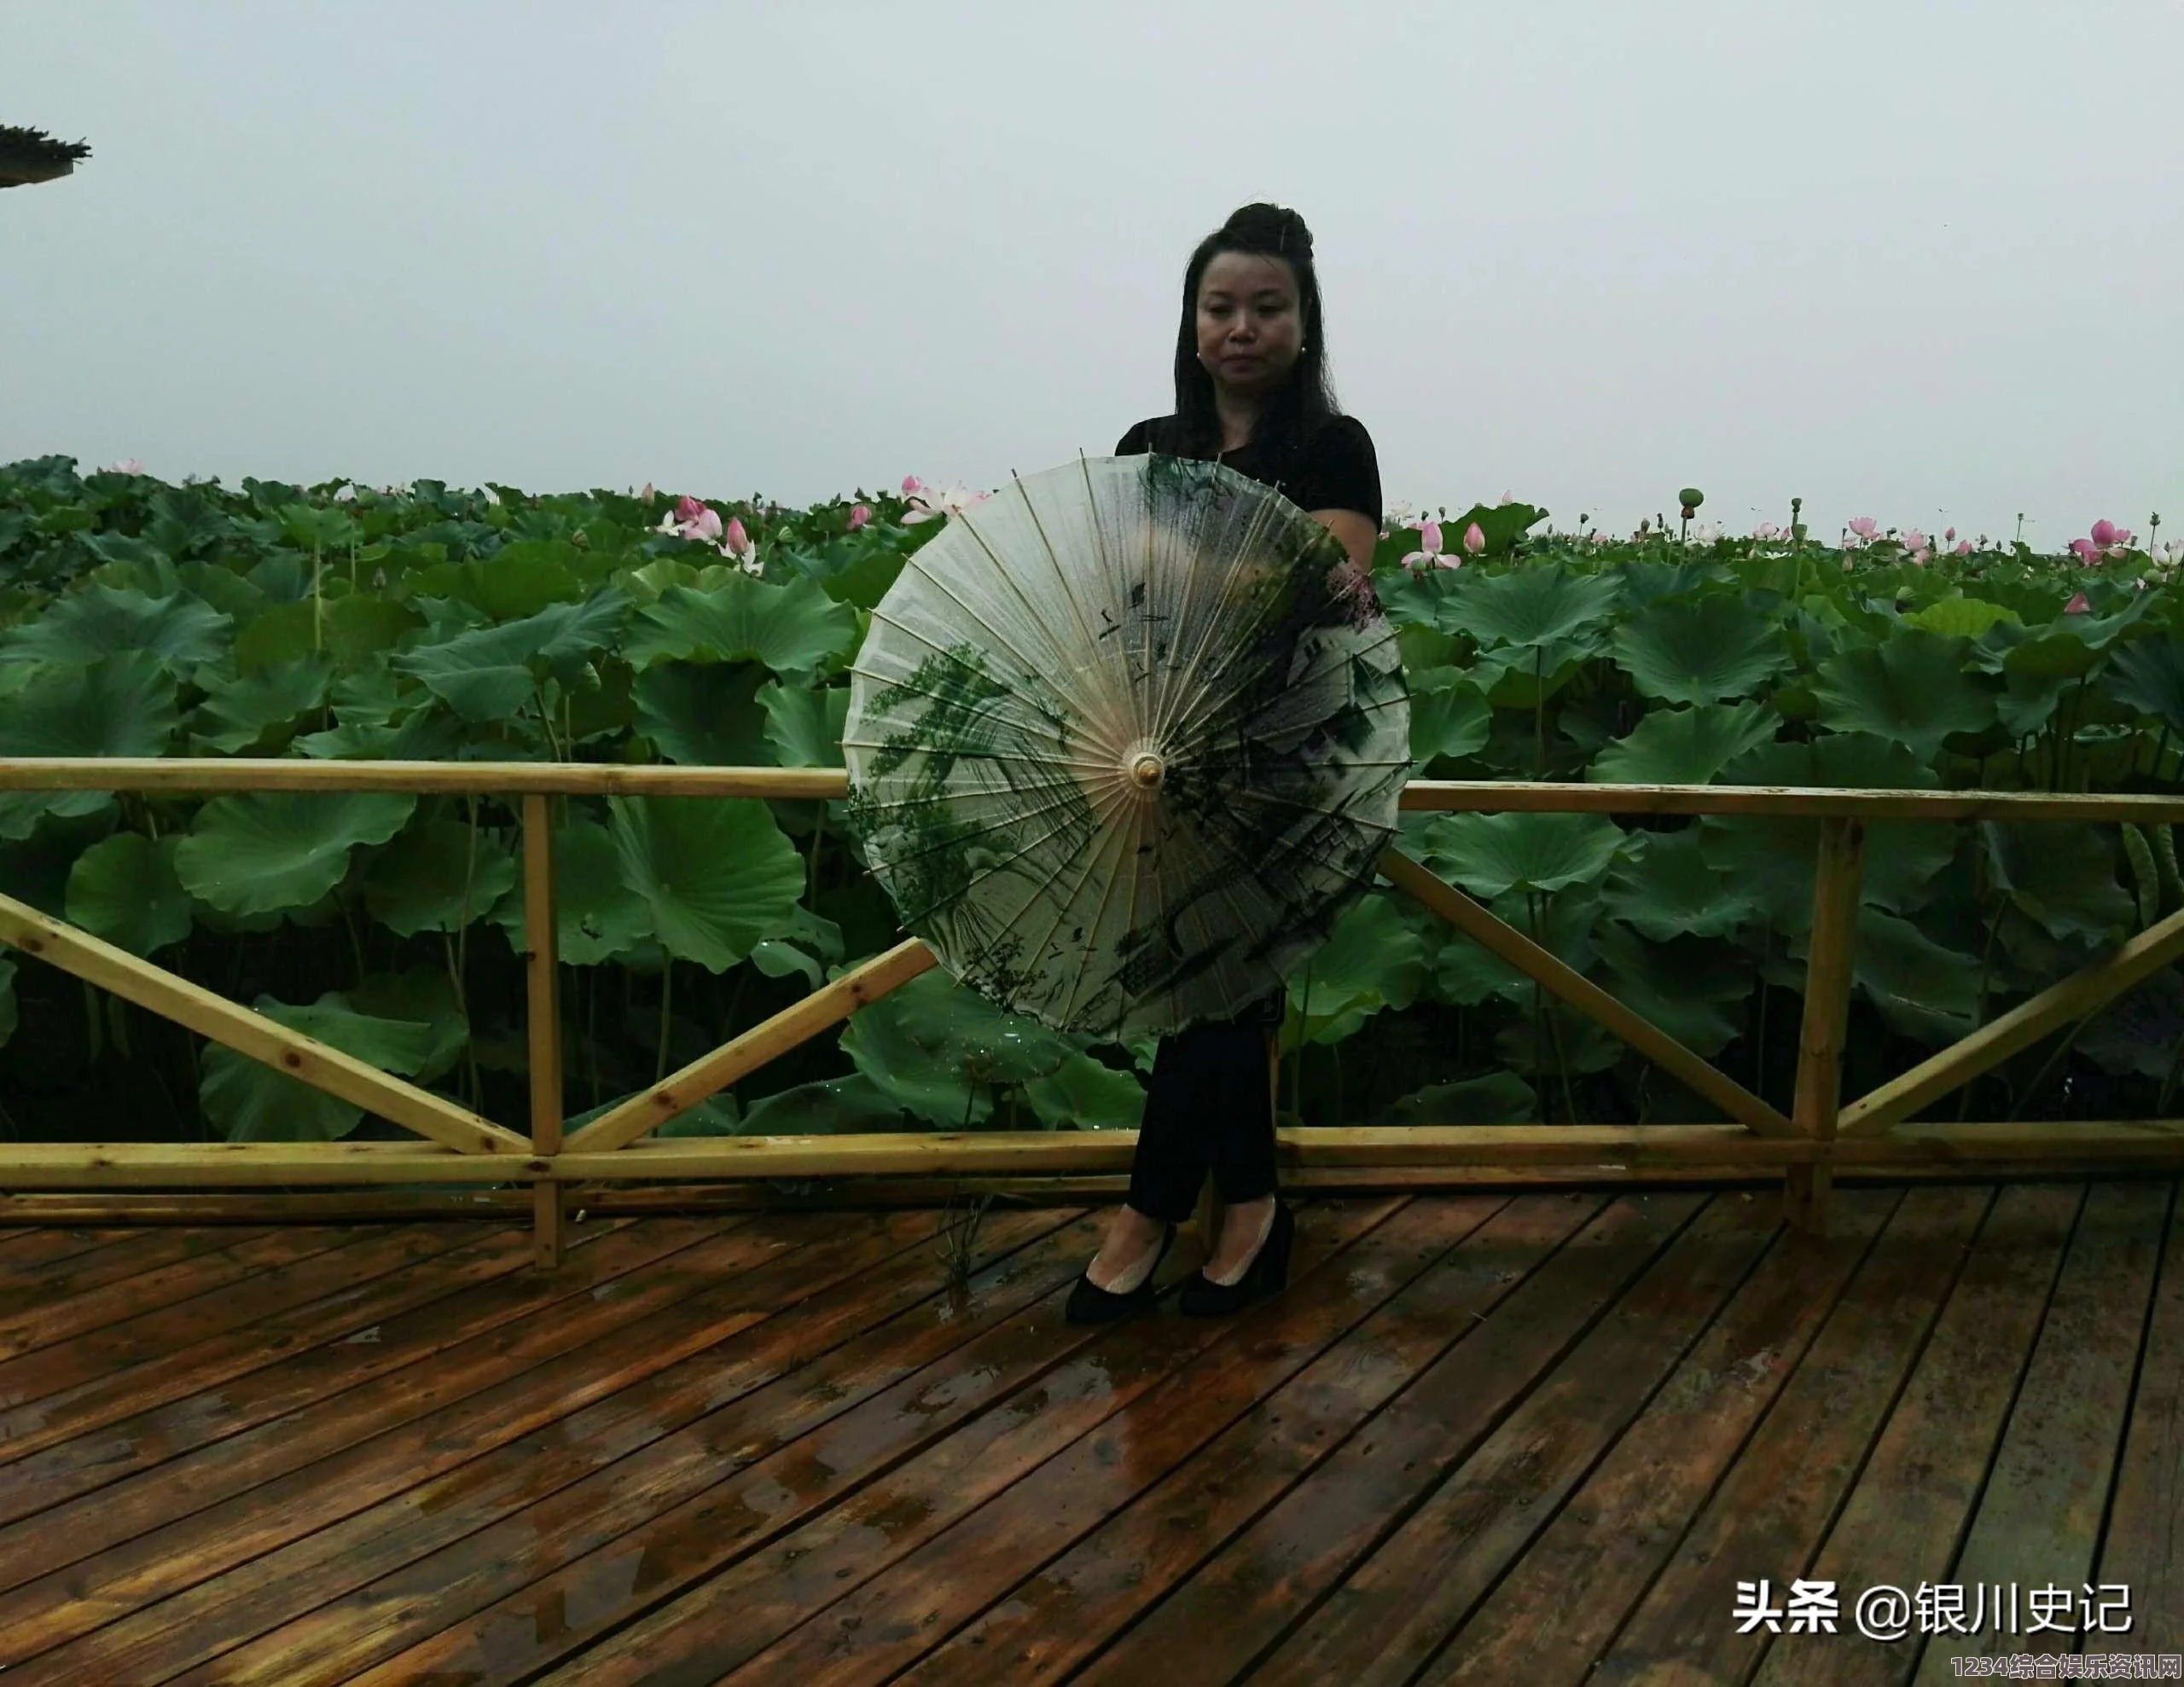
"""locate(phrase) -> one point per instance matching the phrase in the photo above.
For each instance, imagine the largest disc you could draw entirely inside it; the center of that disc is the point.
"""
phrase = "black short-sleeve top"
(1334, 469)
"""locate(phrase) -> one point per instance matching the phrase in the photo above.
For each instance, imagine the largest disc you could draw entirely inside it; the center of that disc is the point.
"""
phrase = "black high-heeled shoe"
(1269, 1270)
(1090, 1304)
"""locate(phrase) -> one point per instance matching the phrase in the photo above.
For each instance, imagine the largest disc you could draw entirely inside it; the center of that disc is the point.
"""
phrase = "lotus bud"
(858, 516)
(1474, 541)
(2104, 533)
(2076, 605)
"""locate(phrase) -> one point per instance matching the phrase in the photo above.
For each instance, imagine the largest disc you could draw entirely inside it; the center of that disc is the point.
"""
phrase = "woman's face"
(1249, 326)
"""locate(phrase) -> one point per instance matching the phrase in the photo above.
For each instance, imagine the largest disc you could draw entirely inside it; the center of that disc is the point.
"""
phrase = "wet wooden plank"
(102, 1515)
(329, 1528)
(21, 1248)
(1771, 1511)
(327, 1326)
(1906, 1516)
(139, 1253)
(750, 1467)
(1045, 1627)
(897, 1615)
(132, 1367)
(2039, 1521)
(2144, 1547)
(771, 1592)
(167, 1329)
(25, 1328)
(1390, 1617)
(1565, 1596)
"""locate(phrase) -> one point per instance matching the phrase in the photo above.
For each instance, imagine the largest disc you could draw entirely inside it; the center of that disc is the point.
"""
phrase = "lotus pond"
(140, 618)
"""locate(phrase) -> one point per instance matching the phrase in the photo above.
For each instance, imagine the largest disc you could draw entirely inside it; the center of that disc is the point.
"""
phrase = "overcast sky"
(1918, 260)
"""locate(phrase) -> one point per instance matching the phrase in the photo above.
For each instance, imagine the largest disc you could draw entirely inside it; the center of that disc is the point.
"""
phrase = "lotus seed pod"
(1691, 497)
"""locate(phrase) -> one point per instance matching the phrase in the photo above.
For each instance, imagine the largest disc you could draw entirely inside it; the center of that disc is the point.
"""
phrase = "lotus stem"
(666, 1012)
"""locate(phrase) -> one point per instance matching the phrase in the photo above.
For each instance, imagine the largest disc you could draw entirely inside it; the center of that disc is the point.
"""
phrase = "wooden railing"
(1819, 1138)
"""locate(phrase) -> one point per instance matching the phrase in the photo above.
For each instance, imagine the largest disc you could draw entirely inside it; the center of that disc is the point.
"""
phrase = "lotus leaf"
(2148, 675)
(437, 876)
(1371, 959)
(124, 888)
(703, 714)
(1686, 746)
(1684, 985)
(1773, 860)
(223, 588)
(515, 583)
(1699, 652)
(251, 1102)
(423, 995)
(2141, 1031)
(355, 630)
(120, 706)
(1667, 891)
(2062, 877)
(1497, 1099)
(490, 673)
(1534, 606)
(597, 916)
(717, 873)
(1448, 717)
(261, 852)
(1489, 855)
(829, 1107)
(936, 1049)
(1084, 1093)
(803, 727)
(180, 631)
(1911, 690)
(1468, 973)
(1517, 676)
(238, 713)
(789, 628)
(1961, 618)
(1921, 988)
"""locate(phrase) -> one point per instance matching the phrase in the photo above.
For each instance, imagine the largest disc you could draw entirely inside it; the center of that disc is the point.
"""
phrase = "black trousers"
(1209, 1107)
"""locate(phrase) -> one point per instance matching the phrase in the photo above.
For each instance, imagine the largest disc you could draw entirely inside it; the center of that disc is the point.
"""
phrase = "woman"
(1252, 389)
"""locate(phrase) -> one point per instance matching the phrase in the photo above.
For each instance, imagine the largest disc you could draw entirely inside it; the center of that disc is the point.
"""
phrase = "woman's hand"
(1357, 533)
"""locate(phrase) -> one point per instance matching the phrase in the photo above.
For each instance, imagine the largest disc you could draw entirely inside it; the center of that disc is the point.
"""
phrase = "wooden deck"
(1535, 1438)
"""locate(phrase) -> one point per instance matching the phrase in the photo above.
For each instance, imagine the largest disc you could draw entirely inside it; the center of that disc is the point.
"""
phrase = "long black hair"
(1296, 409)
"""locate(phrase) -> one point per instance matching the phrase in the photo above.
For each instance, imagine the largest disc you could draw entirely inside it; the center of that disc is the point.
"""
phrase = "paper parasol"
(1123, 740)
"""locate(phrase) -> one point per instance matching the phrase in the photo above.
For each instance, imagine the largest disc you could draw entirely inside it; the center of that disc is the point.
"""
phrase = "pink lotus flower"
(1474, 541)
(739, 546)
(691, 519)
(859, 515)
(1765, 529)
(2104, 533)
(925, 503)
(1963, 547)
(126, 465)
(1914, 540)
(1429, 553)
(2086, 551)
(2076, 605)
(1865, 527)
(1949, 538)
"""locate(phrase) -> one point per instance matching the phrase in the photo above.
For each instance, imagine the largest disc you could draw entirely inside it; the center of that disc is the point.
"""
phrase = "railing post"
(542, 977)
(1836, 880)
